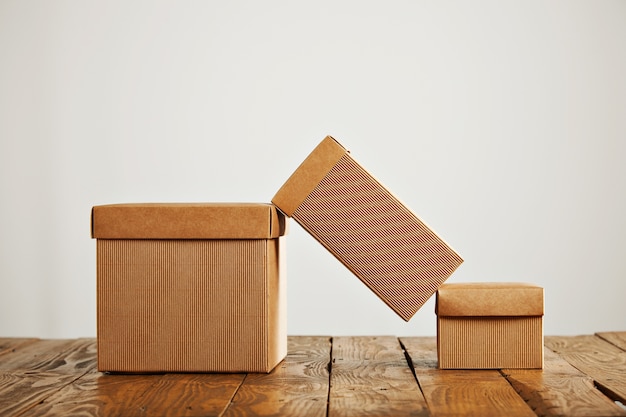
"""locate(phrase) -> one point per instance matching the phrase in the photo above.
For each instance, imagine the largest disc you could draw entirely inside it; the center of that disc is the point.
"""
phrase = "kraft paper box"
(367, 228)
(190, 287)
(490, 326)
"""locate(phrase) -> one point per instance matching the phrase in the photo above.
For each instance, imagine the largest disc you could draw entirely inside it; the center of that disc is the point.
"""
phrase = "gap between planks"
(475, 392)
(560, 390)
(325, 376)
(370, 376)
(297, 386)
(602, 360)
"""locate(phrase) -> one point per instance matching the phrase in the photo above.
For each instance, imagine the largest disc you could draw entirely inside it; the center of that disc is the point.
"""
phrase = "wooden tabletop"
(334, 376)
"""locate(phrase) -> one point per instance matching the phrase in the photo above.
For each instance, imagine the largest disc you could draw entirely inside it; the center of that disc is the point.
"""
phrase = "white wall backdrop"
(502, 124)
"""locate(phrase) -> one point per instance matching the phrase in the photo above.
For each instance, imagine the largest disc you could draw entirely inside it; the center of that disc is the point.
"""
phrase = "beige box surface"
(490, 326)
(367, 228)
(190, 287)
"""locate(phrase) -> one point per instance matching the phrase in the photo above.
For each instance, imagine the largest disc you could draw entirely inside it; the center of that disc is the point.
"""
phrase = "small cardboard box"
(367, 228)
(190, 287)
(490, 326)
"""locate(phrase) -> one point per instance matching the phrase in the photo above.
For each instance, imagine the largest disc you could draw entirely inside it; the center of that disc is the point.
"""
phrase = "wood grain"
(60, 356)
(364, 376)
(32, 372)
(482, 393)
(298, 386)
(98, 394)
(560, 390)
(9, 344)
(600, 360)
(370, 377)
(616, 338)
(191, 395)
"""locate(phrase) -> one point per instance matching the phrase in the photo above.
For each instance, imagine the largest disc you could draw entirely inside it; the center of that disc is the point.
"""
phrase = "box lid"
(187, 221)
(308, 175)
(489, 299)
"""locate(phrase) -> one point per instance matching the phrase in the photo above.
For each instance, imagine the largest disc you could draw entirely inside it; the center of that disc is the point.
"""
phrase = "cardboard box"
(490, 326)
(369, 230)
(190, 287)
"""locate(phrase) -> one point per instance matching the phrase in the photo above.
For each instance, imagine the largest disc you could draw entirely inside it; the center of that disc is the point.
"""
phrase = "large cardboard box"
(190, 287)
(490, 326)
(367, 228)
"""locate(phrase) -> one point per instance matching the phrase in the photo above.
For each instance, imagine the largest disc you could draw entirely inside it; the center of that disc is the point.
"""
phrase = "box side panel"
(181, 305)
(276, 302)
(490, 343)
(379, 239)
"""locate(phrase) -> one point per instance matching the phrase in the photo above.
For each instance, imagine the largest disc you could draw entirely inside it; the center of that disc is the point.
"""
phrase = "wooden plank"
(616, 338)
(9, 344)
(98, 394)
(30, 373)
(461, 392)
(370, 376)
(560, 390)
(59, 356)
(600, 360)
(297, 386)
(19, 392)
(191, 395)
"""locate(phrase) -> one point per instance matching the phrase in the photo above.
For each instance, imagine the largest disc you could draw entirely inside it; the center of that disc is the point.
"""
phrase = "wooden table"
(334, 376)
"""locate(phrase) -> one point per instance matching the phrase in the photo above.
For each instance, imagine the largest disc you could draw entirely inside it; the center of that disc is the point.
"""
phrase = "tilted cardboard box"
(190, 287)
(490, 326)
(368, 229)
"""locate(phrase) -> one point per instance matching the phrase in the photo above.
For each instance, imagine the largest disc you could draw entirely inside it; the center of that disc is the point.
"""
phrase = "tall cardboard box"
(367, 228)
(190, 287)
(490, 326)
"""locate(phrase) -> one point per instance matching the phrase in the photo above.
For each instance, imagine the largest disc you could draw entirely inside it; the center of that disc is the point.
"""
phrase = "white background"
(502, 124)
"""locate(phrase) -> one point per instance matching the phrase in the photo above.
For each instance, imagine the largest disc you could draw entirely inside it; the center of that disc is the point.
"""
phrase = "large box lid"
(489, 299)
(187, 221)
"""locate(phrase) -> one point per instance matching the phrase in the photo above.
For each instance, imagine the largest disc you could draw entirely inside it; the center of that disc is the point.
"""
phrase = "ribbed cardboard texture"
(490, 326)
(367, 228)
(181, 289)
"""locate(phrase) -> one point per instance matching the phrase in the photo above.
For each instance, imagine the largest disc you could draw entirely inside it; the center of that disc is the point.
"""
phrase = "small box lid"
(489, 299)
(187, 221)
